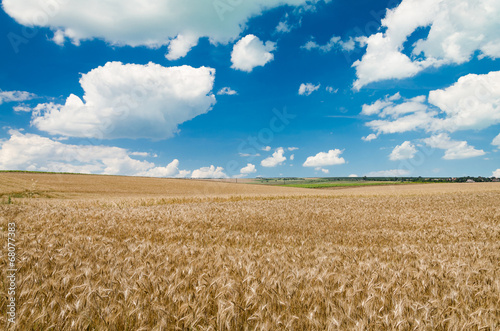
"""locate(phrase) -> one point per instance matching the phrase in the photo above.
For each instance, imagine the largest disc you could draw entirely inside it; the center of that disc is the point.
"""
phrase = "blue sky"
(244, 89)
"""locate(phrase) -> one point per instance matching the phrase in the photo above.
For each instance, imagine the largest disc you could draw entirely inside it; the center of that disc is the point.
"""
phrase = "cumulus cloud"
(36, 153)
(180, 46)
(266, 148)
(323, 159)
(276, 159)
(496, 141)
(389, 173)
(308, 88)
(353, 176)
(374, 108)
(370, 137)
(496, 173)
(453, 149)
(250, 52)
(130, 101)
(291, 149)
(153, 24)
(249, 169)
(171, 170)
(209, 172)
(403, 152)
(335, 43)
(18, 96)
(453, 38)
(473, 102)
(227, 91)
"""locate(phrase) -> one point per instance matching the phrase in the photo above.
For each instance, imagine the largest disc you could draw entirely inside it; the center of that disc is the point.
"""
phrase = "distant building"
(470, 181)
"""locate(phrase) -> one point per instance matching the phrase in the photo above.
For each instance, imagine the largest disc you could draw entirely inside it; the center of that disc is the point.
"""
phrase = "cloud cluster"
(370, 137)
(473, 102)
(453, 38)
(403, 152)
(276, 159)
(130, 101)
(496, 141)
(209, 172)
(154, 23)
(308, 88)
(389, 173)
(17, 96)
(250, 52)
(227, 91)
(335, 43)
(249, 169)
(322, 159)
(36, 153)
(453, 149)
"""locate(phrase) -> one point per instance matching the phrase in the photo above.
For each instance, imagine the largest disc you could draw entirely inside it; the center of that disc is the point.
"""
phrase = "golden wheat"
(425, 259)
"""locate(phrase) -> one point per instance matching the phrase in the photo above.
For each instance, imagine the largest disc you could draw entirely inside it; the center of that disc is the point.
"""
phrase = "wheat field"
(114, 253)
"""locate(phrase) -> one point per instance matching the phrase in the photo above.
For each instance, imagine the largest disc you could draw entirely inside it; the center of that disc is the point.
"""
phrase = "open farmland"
(118, 253)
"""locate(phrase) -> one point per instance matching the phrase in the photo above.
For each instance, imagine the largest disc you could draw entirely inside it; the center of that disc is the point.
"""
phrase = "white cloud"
(473, 102)
(410, 106)
(248, 155)
(153, 23)
(375, 107)
(227, 91)
(283, 27)
(411, 122)
(143, 154)
(209, 172)
(308, 89)
(458, 28)
(180, 46)
(249, 169)
(453, 149)
(36, 153)
(370, 137)
(291, 149)
(353, 176)
(292, 157)
(325, 159)
(22, 108)
(250, 52)
(331, 90)
(496, 173)
(266, 148)
(18, 96)
(496, 141)
(59, 37)
(389, 173)
(130, 101)
(276, 159)
(403, 152)
(325, 171)
(171, 170)
(335, 43)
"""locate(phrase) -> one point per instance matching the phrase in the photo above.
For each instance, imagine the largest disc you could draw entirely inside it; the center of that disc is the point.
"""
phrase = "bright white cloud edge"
(452, 39)
(130, 101)
(176, 23)
(322, 159)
